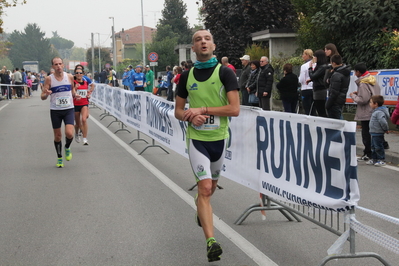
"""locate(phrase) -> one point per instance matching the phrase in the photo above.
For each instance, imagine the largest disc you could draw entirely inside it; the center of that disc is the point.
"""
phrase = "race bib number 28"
(82, 93)
(211, 123)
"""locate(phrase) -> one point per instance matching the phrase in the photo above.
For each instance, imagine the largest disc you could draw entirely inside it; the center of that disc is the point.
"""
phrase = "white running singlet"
(61, 96)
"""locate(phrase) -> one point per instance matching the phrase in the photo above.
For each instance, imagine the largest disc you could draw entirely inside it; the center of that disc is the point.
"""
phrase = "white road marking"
(248, 248)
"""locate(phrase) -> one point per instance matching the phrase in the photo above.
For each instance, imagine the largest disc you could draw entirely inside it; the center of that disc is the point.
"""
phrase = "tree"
(78, 54)
(232, 22)
(31, 45)
(310, 34)
(174, 15)
(356, 27)
(5, 3)
(105, 57)
(165, 51)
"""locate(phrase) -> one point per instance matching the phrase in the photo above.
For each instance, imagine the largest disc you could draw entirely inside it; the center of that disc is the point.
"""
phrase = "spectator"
(339, 85)
(367, 86)
(288, 87)
(245, 72)
(149, 76)
(125, 79)
(252, 83)
(378, 127)
(225, 62)
(317, 69)
(265, 83)
(395, 115)
(169, 77)
(306, 89)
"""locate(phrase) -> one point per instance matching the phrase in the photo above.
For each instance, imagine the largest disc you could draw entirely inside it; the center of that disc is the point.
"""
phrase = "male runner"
(60, 87)
(213, 92)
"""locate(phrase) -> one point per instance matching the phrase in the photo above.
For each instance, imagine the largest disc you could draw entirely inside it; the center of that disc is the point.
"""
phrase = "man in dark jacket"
(246, 71)
(265, 83)
(339, 84)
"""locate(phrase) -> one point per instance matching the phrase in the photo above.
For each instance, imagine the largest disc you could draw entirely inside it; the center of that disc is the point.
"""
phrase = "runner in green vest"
(213, 97)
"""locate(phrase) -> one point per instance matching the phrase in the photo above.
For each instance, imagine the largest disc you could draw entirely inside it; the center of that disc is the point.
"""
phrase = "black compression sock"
(58, 146)
(68, 142)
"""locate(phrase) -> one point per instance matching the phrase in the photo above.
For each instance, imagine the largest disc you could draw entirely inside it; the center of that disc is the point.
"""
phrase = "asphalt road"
(111, 206)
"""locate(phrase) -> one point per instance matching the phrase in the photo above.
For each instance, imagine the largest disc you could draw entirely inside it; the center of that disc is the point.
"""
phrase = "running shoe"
(77, 138)
(60, 163)
(214, 250)
(363, 158)
(68, 154)
(370, 162)
(85, 142)
(380, 163)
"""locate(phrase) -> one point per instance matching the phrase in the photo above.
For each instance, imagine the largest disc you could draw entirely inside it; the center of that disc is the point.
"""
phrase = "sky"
(75, 20)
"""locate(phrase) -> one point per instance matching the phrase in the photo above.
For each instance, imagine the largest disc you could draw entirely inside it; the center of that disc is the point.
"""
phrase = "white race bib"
(82, 93)
(139, 83)
(63, 101)
(211, 123)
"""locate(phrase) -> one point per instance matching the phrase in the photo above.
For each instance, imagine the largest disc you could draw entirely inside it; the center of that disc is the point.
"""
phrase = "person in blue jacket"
(126, 79)
(131, 71)
(138, 79)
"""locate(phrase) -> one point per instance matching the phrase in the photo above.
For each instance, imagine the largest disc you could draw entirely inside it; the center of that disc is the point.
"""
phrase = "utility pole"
(113, 42)
(92, 54)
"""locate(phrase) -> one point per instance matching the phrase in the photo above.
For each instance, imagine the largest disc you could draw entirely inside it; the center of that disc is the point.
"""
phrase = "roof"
(133, 35)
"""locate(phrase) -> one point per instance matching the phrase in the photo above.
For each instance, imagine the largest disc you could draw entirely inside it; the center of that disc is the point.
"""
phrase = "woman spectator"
(317, 69)
(288, 87)
(306, 89)
(252, 82)
(175, 80)
(330, 49)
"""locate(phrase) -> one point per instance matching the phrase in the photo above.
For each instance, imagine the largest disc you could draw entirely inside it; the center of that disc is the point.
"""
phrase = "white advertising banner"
(296, 158)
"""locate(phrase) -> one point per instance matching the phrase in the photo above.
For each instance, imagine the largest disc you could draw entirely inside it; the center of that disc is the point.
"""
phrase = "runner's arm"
(46, 88)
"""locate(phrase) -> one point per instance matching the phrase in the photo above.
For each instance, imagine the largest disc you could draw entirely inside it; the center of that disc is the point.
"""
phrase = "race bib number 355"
(63, 101)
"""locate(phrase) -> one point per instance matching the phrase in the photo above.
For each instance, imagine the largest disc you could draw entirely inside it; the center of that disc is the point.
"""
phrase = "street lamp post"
(99, 54)
(142, 32)
(113, 42)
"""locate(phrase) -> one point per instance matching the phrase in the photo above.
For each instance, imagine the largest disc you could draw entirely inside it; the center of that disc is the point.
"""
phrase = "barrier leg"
(267, 206)
(153, 145)
(122, 127)
(138, 138)
(190, 189)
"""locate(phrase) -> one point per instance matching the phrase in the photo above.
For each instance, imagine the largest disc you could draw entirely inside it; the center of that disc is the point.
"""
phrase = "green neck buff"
(208, 64)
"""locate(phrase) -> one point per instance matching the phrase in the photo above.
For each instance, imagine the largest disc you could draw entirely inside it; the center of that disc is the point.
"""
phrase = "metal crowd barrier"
(344, 225)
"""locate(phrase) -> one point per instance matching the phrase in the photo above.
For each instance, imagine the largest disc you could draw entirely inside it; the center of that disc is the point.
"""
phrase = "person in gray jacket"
(367, 86)
(378, 127)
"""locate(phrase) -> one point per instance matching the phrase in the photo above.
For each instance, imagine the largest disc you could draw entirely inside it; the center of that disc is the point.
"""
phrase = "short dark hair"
(378, 99)
(337, 59)
(255, 62)
(361, 67)
(287, 68)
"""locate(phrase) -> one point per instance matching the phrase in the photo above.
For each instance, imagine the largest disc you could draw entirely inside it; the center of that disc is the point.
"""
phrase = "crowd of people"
(19, 83)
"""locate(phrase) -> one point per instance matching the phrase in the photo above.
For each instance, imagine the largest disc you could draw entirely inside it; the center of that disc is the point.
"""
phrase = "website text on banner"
(296, 158)
(388, 81)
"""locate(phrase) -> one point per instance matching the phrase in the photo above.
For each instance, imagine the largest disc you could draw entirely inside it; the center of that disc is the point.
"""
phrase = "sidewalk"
(391, 155)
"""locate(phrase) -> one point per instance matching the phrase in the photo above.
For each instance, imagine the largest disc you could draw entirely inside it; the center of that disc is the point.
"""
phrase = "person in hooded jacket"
(339, 85)
(367, 86)
(317, 70)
